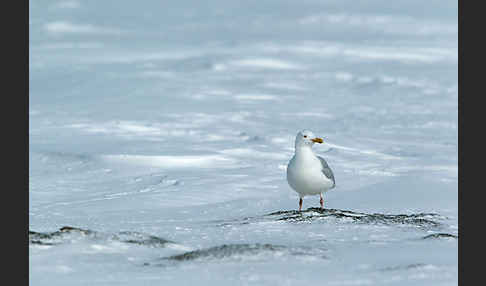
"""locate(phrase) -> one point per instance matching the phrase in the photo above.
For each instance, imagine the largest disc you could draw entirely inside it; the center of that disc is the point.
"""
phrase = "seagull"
(307, 173)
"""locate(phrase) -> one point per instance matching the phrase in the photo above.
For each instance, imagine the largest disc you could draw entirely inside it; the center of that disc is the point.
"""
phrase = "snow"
(160, 132)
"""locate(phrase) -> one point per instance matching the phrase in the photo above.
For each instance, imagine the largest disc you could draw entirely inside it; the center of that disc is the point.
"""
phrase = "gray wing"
(327, 171)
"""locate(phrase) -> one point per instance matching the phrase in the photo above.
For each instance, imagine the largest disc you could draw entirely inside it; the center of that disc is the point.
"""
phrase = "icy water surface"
(160, 133)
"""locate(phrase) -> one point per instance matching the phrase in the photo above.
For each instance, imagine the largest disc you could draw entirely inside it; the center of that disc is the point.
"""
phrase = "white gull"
(307, 173)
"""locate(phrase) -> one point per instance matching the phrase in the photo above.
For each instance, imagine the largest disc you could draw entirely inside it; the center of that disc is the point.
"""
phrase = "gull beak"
(317, 140)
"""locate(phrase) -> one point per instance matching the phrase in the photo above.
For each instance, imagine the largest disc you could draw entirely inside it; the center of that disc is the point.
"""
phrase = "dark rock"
(62, 235)
(404, 267)
(312, 214)
(225, 250)
(75, 229)
(141, 239)
(440, 235)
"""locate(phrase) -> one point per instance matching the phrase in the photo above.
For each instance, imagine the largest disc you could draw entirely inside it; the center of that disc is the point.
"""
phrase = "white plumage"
(307, 173)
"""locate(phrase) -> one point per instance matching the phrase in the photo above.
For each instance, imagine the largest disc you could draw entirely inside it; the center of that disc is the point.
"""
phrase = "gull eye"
(305, 136)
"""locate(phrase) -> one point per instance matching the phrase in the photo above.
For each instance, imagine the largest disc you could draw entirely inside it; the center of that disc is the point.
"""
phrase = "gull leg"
(300, 204)
(322, 202)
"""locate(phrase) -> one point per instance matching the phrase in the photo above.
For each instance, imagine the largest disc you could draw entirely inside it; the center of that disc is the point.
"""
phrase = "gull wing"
(327, 171)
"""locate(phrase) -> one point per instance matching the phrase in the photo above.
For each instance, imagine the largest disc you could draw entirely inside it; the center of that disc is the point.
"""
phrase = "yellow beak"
(317, 140)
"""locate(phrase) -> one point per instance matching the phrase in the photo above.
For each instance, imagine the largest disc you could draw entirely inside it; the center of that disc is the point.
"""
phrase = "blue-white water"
(175, 121)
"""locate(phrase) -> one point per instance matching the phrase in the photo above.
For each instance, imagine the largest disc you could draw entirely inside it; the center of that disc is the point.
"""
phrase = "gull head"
(306, 138)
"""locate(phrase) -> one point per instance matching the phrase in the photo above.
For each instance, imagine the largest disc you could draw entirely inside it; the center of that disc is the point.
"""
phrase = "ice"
(168, 162)
(263, 63)
(58, 27)
(159, 136)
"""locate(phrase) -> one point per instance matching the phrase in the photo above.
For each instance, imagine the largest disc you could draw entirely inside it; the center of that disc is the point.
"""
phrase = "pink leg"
(300, 204)
(322, 202)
